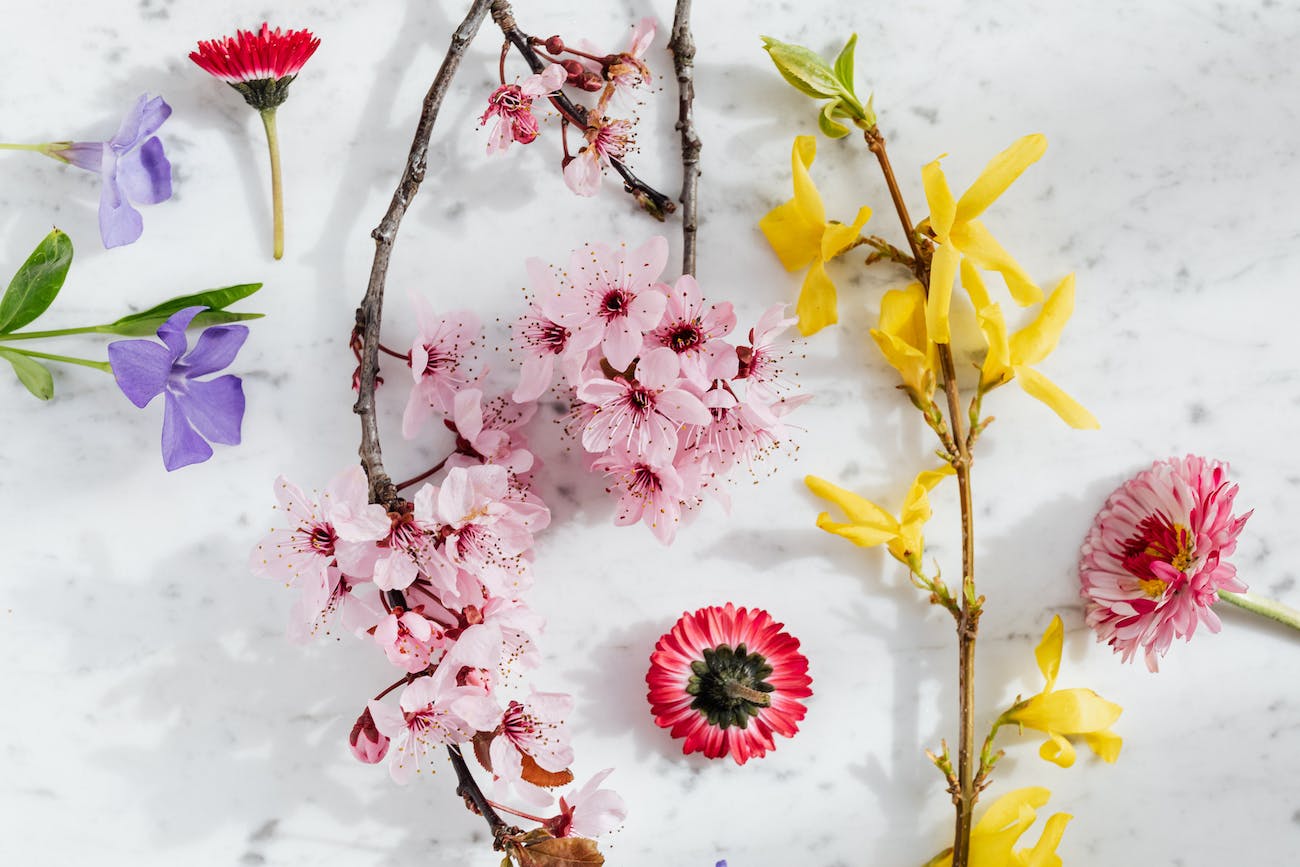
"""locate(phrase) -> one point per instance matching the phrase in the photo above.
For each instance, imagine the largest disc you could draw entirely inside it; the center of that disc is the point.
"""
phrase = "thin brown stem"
(654, 202)
(967, 792)
(370, 313)
(467, 788)
(682, 45)
(414, 480)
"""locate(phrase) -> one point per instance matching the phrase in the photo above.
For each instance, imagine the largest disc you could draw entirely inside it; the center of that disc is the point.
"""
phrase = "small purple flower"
(132, 166)
(196, 411)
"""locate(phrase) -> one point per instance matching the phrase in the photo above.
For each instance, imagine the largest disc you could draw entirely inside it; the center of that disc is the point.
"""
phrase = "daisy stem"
(277, 189)
(66, 359)
(1269, 608)
(967, 791)
(753, 696)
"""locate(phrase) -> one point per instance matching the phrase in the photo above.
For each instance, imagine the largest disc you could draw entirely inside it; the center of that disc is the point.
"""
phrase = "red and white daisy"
(259, 65)
(727, 680)
(1153, 562)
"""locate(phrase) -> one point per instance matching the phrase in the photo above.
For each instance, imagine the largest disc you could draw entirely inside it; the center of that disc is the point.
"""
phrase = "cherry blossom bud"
(555, 45)
(590, 81)
(479, 678)
(574, 70)
(368, 744)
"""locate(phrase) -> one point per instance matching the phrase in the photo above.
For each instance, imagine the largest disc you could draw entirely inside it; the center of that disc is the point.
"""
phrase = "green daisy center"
(729, 685)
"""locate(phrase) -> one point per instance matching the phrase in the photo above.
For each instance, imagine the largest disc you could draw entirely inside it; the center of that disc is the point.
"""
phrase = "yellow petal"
(859, 534)
(1044, 852)
(973, 283)
(796, 241)
(911, 365)
(816, 306)
(1071, 412)
(1067, 711)
(838, 236)
(858, 509)
(943, 270)
(979, 245)
(1002, 825)
(1035, 341)
(1048, 651)
(901, 337)
(1057, 750)
(805, 191)
(1105, 744)
(999, 174)
(1008, 808)
(939, 196)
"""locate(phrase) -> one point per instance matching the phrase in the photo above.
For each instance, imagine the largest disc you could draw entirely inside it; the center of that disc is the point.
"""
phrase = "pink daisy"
(694, 331)
(1154, 560)
(727, 680)
(643, 415)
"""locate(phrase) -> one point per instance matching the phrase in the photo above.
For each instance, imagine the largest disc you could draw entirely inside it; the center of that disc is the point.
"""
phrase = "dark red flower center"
(1158, 540)
(729, 685)
(685, 336)
(614, 304)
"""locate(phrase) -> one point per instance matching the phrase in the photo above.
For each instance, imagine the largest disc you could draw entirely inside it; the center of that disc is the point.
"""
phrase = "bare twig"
(369, 316)
(682, 45)
(968, 787)
(370, 313)
(654, 202)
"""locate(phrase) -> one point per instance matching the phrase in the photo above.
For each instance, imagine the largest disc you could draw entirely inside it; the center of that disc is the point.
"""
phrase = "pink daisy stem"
(1269, 608)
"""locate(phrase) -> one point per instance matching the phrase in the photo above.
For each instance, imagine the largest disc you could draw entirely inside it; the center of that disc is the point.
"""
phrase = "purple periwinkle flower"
(196, 411)
(133, 167)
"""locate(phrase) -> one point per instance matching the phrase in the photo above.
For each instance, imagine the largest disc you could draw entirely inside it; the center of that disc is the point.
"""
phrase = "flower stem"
(505, 809)
(753, 696)
(66, 359)
(1268, 607)
(277, 190)
(58, 332)
(424, 475)
(966, 792)
(39, 148)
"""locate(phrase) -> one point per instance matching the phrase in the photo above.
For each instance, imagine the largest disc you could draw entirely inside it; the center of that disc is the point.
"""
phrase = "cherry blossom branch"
(682, 45)
(368, 318)
(968, 783)
(370, 313)
(654, 202)
(424, 475)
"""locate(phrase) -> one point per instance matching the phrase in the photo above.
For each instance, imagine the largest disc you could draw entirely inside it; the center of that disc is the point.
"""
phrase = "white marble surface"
(154, 712)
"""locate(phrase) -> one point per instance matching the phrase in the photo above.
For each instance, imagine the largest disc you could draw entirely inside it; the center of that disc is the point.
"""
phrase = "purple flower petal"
(141, 368)
(145, 175)
(172, 331)
(140, 122)
(215, 407)
(181, 445)
(119, 223)
(88, 155)
(215, 349)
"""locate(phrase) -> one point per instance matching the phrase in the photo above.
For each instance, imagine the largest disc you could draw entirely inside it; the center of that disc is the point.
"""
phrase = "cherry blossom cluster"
(583, 69)
(435, 585)
(664, 404)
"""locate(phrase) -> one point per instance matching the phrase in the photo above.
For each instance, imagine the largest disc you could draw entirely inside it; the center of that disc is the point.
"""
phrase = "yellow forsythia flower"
(995, 835)
(1010, 357)
(869, 525)
(1065, 711)
(800, 235)
(961, 236)
(904, 341)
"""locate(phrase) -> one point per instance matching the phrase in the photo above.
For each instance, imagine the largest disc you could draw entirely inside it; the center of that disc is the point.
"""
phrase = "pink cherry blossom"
(314, 533)
(518, 625)
(534, 728)
(606, 138)
(740, 431)
(641, 416)
(541, 339)
(491, 437)
(647, 493)
(629, 70)
(615, 289)
(333, 599)
(409, 639)
(694, 331)
(589, 811)
(437, 362)
(405, 552)
(512, 105)
(366, 741)
(761, 361)
(1156, 556)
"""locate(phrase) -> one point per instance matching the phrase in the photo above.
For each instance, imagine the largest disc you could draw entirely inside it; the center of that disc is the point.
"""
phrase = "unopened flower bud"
(367, 742)
(479, 678)
(555, 45)
(590, 81)
(574, 70)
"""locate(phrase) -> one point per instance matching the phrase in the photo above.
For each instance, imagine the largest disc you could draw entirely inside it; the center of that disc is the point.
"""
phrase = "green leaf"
(148, 327)
(213, 299)
(844, 63)
(37, 282)
(31, 373)
(804, 69)
(831, 128)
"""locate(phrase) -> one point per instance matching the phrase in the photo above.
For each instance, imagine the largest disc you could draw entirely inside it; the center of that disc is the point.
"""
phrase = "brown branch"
(654, 202)
(369, 316)
(682, 45)
(370, 313)
(968, 622)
